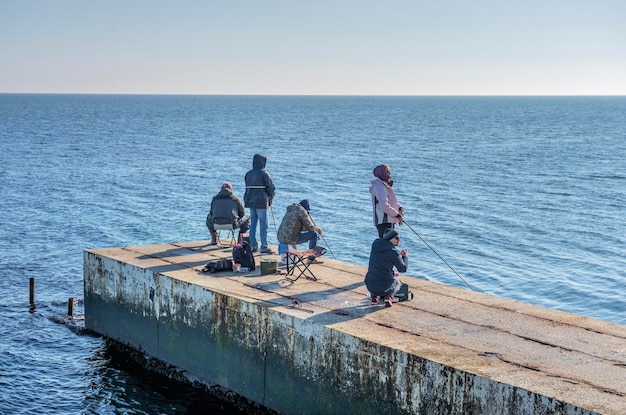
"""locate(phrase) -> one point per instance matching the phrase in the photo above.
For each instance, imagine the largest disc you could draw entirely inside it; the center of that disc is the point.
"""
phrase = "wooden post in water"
(70, 307)
(32, 291)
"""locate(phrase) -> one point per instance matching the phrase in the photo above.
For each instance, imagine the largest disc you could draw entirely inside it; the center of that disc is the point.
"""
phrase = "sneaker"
(388, 301)
(282, 263)
(374, 300)
(267, 251)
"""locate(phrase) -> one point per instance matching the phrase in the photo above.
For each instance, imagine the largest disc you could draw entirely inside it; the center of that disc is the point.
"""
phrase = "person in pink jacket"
(387, 211)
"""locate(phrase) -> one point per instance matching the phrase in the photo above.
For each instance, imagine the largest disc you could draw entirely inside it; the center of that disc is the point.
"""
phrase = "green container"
(268, 266)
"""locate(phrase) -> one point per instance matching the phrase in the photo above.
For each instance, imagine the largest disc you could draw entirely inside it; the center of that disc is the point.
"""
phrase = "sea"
(521, 197)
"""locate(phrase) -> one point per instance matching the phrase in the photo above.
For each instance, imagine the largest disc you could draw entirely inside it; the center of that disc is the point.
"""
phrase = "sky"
(310, 47)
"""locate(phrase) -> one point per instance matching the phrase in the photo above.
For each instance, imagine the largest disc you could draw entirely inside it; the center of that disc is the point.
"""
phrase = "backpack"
(218, 265)
(403, 294)
(242, 255)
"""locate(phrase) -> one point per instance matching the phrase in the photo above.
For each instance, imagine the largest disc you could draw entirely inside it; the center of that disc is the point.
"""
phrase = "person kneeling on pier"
(227, 208)
(297, 227)
(381, 279)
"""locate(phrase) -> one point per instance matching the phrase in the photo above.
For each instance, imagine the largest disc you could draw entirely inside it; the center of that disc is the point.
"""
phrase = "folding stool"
(228, 227)
(299, 262)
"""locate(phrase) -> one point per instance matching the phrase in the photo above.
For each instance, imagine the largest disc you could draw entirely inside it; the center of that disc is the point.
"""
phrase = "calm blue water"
(524, 197)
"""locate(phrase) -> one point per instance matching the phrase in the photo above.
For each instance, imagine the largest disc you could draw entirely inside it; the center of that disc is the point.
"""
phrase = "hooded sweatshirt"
(226, 207)
(383, 257)
(384, 202)
(259, 185)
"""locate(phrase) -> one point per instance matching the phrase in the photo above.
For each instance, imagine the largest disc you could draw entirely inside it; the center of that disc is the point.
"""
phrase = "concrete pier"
(319, 347)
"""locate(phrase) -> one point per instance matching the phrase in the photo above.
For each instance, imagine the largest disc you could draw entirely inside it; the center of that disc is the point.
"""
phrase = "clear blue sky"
(328, 47)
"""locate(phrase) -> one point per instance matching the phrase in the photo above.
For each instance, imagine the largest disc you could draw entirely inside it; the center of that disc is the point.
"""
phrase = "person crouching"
(381, 280)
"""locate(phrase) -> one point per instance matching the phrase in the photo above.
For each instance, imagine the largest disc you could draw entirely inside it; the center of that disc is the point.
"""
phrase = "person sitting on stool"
(381, 280)
(226, 208)
(297, 227)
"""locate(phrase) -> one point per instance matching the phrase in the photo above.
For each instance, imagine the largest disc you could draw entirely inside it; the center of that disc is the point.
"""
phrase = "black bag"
(404, 294)
(218, 265)
(242, 255)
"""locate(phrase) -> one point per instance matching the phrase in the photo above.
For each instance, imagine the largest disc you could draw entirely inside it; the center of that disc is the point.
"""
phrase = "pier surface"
(321, 347)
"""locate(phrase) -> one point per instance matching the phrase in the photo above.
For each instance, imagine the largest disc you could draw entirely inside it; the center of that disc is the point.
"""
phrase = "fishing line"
(431, 248)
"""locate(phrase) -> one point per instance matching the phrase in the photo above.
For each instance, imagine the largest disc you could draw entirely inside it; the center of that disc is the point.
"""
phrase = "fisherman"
(297, 227)
(381, 280)
(387, 211)
(227, 208)
(258, 197)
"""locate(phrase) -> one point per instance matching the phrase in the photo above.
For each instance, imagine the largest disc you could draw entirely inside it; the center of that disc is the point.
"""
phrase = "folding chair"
(299, 262)
(228, 227)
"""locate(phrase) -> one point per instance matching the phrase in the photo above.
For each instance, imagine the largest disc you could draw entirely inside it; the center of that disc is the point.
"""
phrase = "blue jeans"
(391, 291)
(260, 216)
(303, 237)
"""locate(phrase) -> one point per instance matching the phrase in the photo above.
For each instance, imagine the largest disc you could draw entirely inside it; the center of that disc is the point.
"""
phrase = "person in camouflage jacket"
(297, 227)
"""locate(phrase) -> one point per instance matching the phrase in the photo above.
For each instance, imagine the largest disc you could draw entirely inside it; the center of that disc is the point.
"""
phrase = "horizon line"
(310, 95)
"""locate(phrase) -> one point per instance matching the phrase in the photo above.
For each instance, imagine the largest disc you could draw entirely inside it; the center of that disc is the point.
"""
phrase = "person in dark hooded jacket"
(258, 197)
(381, 280)
(226, 207)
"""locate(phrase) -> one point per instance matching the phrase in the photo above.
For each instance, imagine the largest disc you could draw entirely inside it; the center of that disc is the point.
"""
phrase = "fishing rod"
(331, 251)
(274, 219)
(431, 248)
(322, 235)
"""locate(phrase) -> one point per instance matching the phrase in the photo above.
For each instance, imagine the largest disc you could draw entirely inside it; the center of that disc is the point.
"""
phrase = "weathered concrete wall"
(278, 358)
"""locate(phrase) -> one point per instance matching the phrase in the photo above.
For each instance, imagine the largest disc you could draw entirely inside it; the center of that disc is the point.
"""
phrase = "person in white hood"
(387, 211)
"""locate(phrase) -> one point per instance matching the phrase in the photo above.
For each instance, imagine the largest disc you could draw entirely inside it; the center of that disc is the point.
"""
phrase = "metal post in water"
(70, 307)
(32, 291)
